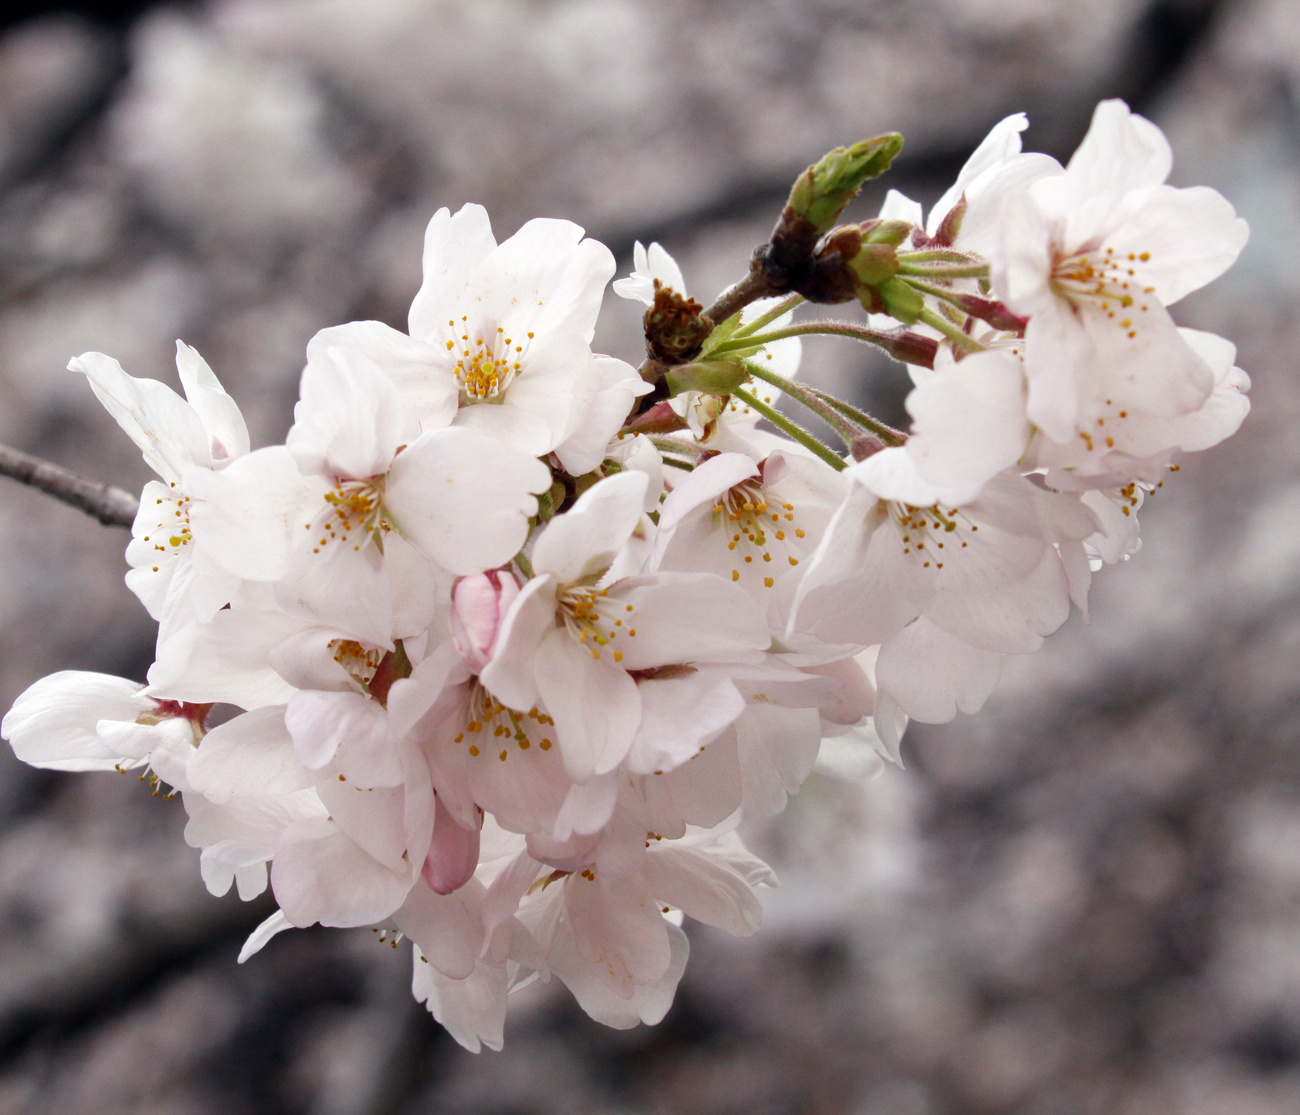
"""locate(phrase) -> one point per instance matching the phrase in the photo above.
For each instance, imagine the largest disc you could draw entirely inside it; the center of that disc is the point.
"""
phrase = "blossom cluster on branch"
(512, 634)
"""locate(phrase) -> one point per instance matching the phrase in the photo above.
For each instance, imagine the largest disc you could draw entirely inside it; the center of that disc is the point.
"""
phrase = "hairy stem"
(111, 506)
(782, 423)
(887, 434)
(955, 335)
(782, 307)
(806, 329)
(808, 398)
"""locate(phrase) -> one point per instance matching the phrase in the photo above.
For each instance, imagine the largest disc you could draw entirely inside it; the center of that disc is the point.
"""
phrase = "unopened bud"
(995, 313)
(852, 261)
(713, 377)
(478, 605)
(821, 192)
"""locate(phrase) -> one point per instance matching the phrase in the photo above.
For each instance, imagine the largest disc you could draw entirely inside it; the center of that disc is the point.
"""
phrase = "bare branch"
(111, 506)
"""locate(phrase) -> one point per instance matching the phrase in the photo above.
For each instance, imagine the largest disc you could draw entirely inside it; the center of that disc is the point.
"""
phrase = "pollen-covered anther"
(592, 618)
(355, 514)
(506, 725)
(486, 364)
(1105, 281)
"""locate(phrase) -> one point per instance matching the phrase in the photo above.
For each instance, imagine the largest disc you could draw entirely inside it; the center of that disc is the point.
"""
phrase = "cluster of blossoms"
(511, 634)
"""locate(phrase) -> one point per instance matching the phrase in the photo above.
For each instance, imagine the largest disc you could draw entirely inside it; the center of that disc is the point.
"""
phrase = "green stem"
(798, 433)
(805, 329)
(942, 271)
(942, 293)
(673, 462)
(525, 566)
(809, 398)
(887, 434)
(938, 255)
(955, 335)
(782, 307)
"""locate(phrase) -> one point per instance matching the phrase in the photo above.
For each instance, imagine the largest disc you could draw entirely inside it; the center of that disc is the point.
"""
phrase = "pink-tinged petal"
(587, 807)
(227, 432)
(447, 929)
(1145, 361)
(969, 423)
(704, 485)
(373, 817)
(509, 676)
(851, 592)
(703, 887)
(276, 923)
(463, 499)
(618, 930)
(586, 443)
(1179, 240)
(165, 428)
(321, 723)
(242, 516)
(583, 541)
(455, 247)
(647, 1003)
(516, 426)
(931, 674)
(349, 419)
(704, 791)
(776, 748)
(478, 607)
(472, 1010)
(52, 723)
(422, 373)
(595, 705)
(251, 754)
(319, 874)
(453, 853)
(1122, 152)
(1021, 267)
(553, 279)
(679, 716)
(508, 890)
(1001, 143)
(684, 618)
(1060, 357)
(342, 583)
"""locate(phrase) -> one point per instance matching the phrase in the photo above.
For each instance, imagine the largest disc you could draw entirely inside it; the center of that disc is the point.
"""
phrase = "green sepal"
(713, 377)
(821, 192)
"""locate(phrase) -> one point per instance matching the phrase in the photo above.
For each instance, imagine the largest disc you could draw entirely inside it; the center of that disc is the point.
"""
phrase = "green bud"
(886, 231)
(872, 264)
(821, 192)
(713, 377)
(900, 300)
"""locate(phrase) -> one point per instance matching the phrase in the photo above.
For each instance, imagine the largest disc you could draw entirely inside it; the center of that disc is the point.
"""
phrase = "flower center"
(359, 661)
(751, 523)
(931, 533)
(172, 533)
(491, 726)
(594, 619)
(488, 364)
(1106, 282)
(355, 511)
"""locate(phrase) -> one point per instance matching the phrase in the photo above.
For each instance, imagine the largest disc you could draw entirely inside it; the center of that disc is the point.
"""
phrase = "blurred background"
(1084, 900)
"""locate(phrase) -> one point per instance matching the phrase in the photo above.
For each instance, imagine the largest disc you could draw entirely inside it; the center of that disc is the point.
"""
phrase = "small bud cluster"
(516, 635)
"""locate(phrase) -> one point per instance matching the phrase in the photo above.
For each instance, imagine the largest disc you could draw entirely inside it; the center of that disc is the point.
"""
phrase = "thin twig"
(111, 506)
(735, 298)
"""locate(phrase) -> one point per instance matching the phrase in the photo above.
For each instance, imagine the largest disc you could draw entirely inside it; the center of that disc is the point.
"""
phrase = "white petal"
(464, 499)
(218, 412)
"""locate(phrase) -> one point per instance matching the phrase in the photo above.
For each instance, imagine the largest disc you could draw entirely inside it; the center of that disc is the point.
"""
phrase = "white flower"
(1093, 256)
(511, 325)
(578, 631)
(176, 580)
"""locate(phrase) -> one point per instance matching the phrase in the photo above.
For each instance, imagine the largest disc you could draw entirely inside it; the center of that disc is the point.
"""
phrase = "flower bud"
(479, 602)
(821, 192)
(714, 377)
